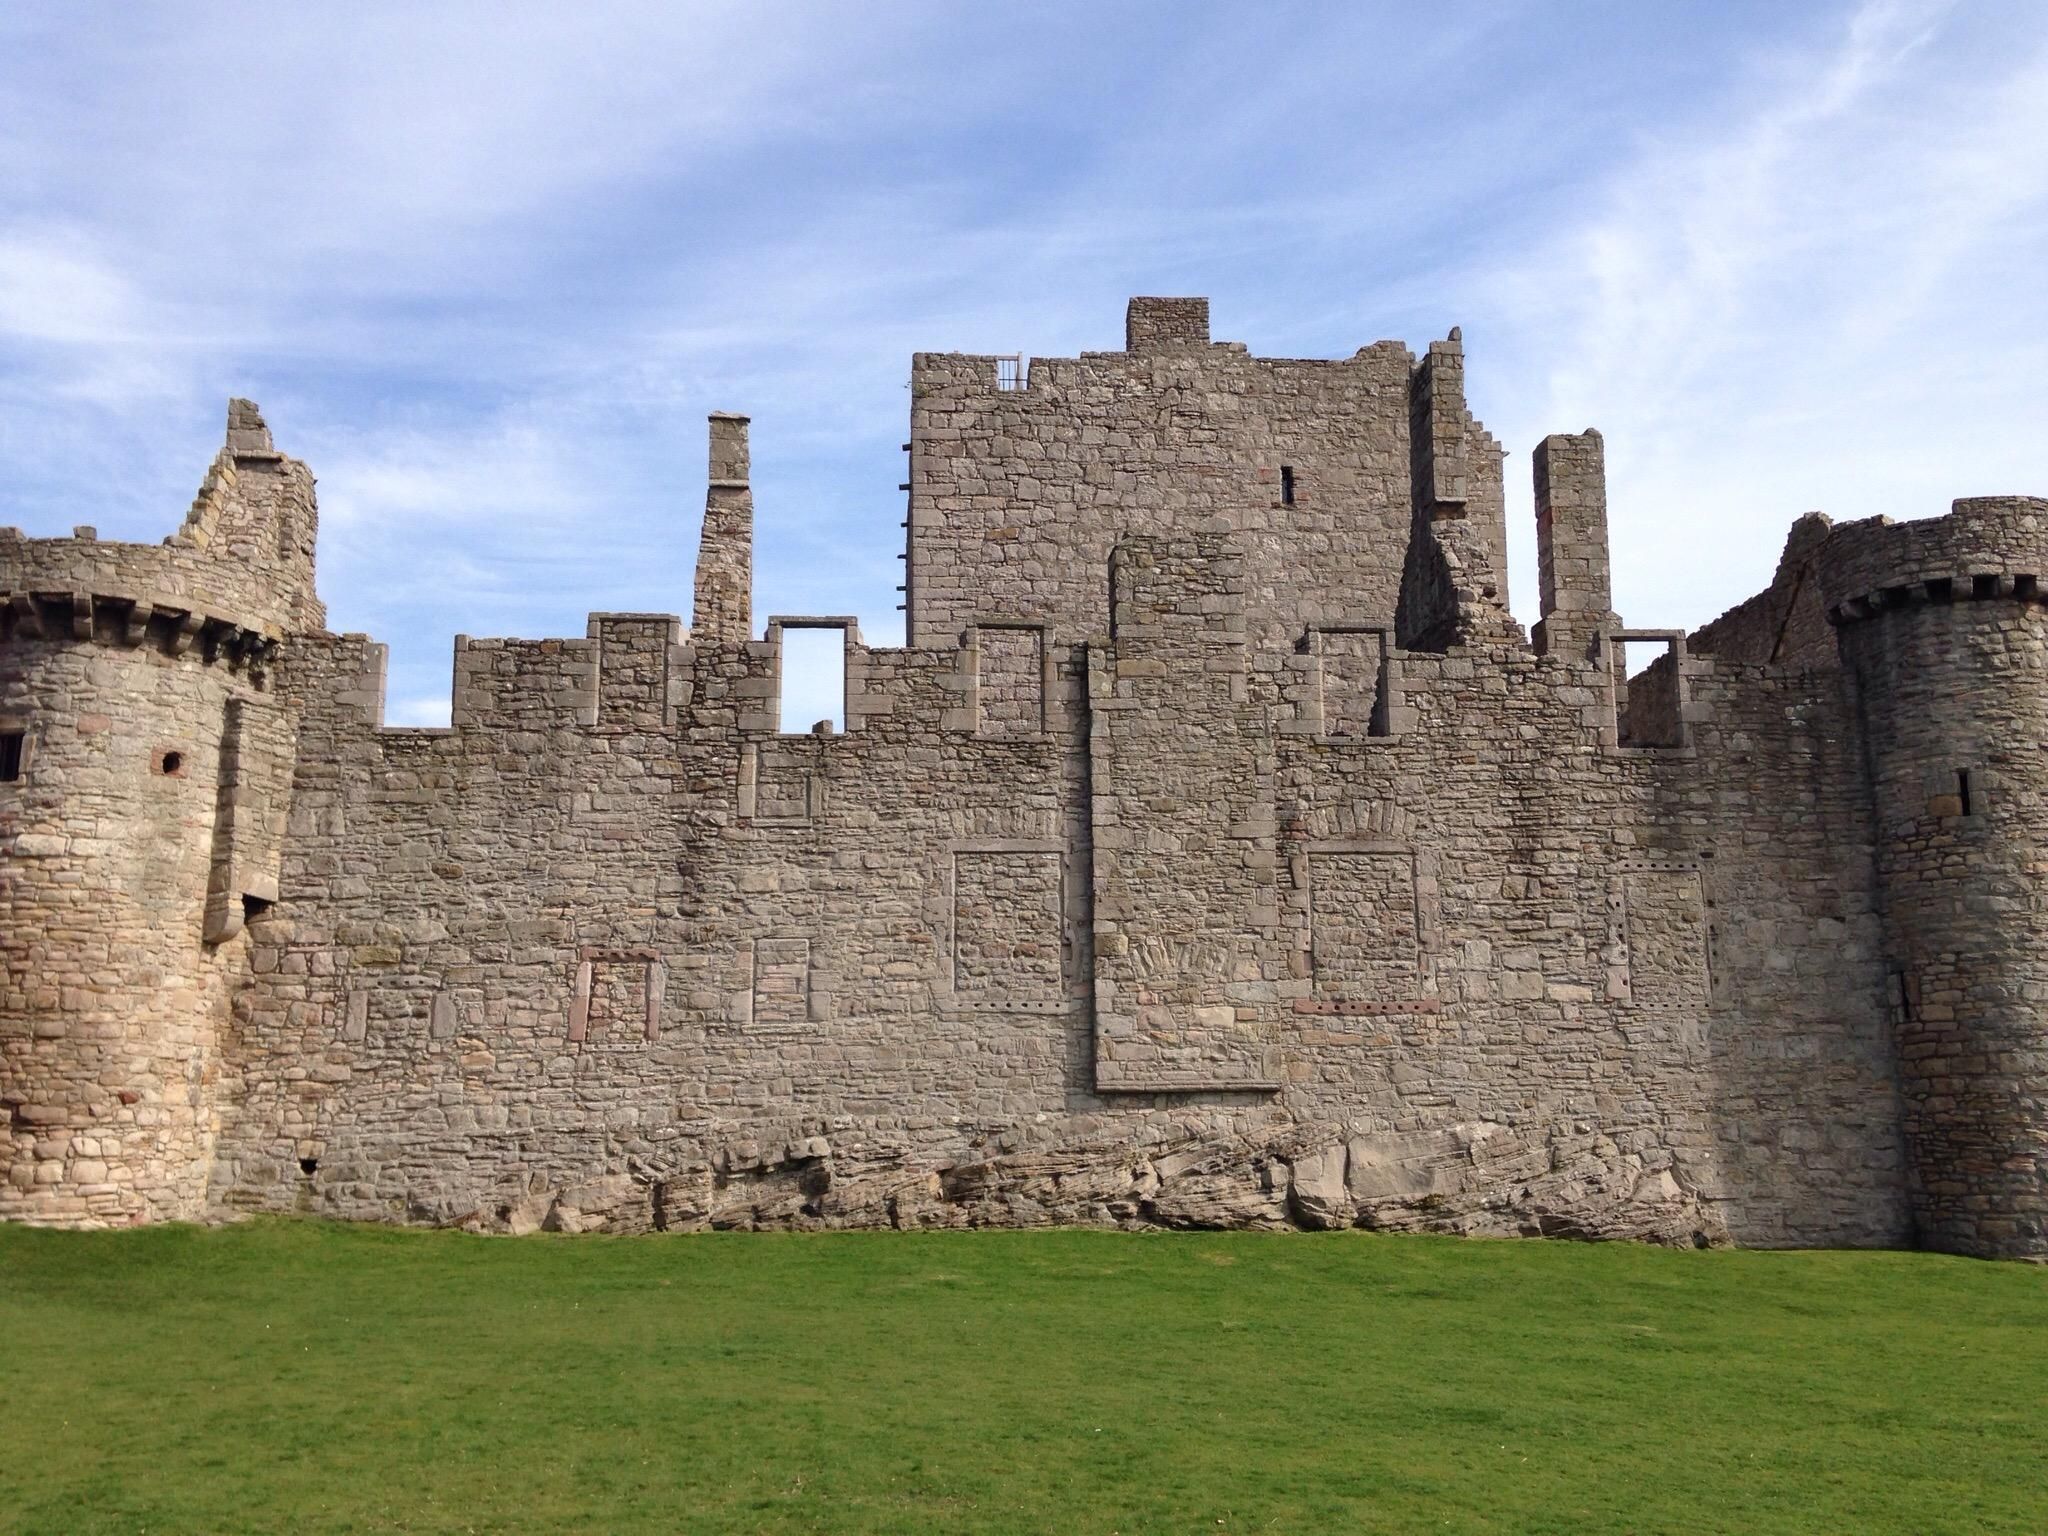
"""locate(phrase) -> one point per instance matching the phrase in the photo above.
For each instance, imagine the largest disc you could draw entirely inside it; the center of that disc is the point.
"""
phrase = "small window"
(1963, 790)
(1648, 691)
(11, 743)
(1286, 485)
(813, 661)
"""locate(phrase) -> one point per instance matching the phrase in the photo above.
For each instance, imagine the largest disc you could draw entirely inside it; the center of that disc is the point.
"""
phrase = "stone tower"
(147, 766)
(1945, 641)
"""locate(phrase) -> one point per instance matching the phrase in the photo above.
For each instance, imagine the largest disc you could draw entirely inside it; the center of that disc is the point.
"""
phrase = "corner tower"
(1944, 634)
(146, 771)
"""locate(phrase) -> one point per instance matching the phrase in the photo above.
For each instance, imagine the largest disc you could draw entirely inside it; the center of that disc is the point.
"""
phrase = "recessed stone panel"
(1365, 927)
(1666, 917)
(1006, 926)
(782, 981)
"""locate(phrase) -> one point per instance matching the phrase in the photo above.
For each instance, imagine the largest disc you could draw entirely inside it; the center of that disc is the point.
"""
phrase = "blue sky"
(486, 267)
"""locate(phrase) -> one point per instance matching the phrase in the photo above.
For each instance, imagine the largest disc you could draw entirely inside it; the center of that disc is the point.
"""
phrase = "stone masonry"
(1217, 852)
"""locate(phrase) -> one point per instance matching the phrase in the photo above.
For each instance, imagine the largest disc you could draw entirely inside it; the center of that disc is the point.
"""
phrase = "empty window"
(11, 743)
(1287, 485)
(1012, 372)
(1963, 790)
(813, 680)
(1646, 692)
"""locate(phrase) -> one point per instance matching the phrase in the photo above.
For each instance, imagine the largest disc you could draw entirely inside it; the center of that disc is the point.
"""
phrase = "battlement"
(1988, 547)
(1216, 851)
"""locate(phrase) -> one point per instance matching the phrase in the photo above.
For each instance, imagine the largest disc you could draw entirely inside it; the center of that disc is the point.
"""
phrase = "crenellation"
(1216, 852)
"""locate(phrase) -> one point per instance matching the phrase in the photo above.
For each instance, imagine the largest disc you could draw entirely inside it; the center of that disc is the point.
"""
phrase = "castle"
(1218, 851)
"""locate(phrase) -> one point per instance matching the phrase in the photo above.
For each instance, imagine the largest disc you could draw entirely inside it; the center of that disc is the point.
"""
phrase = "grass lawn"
(280, 1376)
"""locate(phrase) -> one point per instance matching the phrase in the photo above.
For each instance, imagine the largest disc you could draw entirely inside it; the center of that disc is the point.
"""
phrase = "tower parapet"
(140, 824)
(1945, 638)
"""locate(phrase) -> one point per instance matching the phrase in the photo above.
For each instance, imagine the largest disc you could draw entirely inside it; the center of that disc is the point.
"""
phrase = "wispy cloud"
(1804, 297)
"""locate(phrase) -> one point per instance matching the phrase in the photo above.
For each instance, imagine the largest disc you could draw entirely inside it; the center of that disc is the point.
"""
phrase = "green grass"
(304, 1377)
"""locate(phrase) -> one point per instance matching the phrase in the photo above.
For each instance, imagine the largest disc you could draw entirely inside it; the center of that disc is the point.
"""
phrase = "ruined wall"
(1212, 856)
(1465, 974)
(537, 948)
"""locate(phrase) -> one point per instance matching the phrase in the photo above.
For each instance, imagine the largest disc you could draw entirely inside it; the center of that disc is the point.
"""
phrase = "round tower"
(140, 804)
(1944, 632)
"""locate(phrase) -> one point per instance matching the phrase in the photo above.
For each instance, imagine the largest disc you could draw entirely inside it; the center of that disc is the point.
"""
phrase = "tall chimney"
(724, 611)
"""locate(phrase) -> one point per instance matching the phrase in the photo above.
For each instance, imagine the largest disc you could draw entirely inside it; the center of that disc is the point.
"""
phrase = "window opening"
(813, 680)
(1286, 485)
(1963, 789)
(10, 755)
(169, 764)
(1646, 692)
(1012, 372)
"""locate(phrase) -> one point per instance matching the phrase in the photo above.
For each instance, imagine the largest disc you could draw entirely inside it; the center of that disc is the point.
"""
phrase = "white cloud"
(1814, 297)
(487, 267)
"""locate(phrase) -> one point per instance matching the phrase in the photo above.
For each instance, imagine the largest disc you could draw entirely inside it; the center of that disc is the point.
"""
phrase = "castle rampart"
(1217, 852)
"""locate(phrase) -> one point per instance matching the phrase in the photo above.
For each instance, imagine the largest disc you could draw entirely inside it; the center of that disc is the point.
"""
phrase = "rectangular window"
(11, 743)
(1648, 691)
(782, 981)
(812, 664)
(1286, 485)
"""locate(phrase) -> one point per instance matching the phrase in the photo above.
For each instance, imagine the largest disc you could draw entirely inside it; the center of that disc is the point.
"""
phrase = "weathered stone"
(1317, 1196)
(1218, 852)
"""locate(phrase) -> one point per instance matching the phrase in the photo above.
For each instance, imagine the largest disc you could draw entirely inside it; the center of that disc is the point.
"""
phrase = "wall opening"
(1013, 372)
(1963, 789)
(13, 749)
(813, 680)
(1286, 485)
(1647, 703)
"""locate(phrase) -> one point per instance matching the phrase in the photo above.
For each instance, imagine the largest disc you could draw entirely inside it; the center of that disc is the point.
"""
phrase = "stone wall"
(1327, 471)
(1212, 856)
